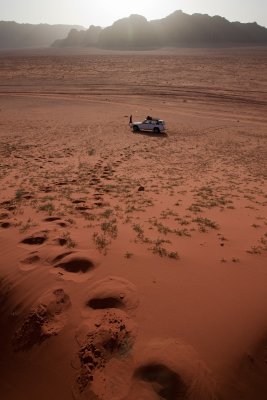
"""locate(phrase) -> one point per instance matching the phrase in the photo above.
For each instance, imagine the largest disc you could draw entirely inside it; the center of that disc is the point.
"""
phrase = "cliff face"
(198, 29)
(75, 38)
(177, 29)
(132, 32)
(14, 35)
(135, 32)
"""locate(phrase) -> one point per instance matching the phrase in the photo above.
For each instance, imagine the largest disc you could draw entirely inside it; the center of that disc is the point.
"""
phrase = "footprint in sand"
(74, 266)
(82, 208)
(106, 336)
(61, 256)
(8, 205)
(5, 224)
(58, 221)
(98, 196)
(170, 385)
(52, 219)
(62, 224)
(78, 201)
(35, 240)
(46, 189)
(63, 183)
(99, 190)
(4, 216)
(30, 262)
(112, 292)
(47, 318)
(106, 176)
(169, 369)
(95, 181)
(100, 204)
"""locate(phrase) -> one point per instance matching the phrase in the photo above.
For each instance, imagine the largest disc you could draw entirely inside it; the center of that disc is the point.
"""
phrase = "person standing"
(131, 120)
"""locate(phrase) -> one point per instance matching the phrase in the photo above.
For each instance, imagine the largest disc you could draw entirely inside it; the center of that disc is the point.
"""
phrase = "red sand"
(111, 293)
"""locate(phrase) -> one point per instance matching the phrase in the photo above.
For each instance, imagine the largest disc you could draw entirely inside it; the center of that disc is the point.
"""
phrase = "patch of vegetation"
(182, 232)
(168, 213)
(147, 202)
(182, 221)
(254, 250)
(160, 227)
(101, 242)
(19, 194)
(110, 227)
(127, 220)
(205, 191)
(174, 255)
(49, 207)
(29, 224)
(209, 199)
(47, 198)
(91, 151)
(162, 251)
(109, 188)
(255, 226)
(128, 254)
(139, 230)
(107, 213)
(89, 216)
(69, 242)
(259, 248)
(235, 260)
(205, 223)
(194, 208)
(132, 208)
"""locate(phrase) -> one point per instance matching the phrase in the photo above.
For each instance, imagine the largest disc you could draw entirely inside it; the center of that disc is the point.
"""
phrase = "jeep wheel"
(135, 128)
(156, 130)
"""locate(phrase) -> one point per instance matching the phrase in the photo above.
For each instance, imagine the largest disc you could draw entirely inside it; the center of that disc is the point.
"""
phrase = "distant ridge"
(14, 35)
(176, 30)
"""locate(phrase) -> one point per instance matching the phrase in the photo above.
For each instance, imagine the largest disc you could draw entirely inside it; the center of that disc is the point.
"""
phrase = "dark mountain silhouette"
(14, 35)
(178, 30)
(134, 31)
(89, 37)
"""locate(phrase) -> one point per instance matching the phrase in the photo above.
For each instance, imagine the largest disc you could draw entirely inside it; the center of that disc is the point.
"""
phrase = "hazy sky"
(105, 12)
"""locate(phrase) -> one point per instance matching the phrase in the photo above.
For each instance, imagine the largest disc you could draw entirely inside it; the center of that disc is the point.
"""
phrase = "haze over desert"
(133, 265)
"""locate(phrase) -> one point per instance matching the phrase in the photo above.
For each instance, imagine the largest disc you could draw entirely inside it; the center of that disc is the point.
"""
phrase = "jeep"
(154, 125)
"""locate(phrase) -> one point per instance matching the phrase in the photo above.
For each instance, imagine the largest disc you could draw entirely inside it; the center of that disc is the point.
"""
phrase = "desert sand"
(133, 266)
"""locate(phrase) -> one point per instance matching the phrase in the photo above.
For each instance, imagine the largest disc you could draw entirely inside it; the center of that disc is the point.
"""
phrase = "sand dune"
(108, 291)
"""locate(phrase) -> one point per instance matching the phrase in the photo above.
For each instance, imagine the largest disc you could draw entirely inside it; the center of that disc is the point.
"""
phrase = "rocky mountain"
(178, 30)
(14, 35)
(89, 37)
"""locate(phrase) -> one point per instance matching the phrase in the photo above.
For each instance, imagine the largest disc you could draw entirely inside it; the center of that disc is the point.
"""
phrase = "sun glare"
(108, 12)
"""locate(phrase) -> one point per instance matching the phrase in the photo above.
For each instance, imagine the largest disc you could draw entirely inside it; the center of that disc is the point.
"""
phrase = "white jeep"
(154, 125)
